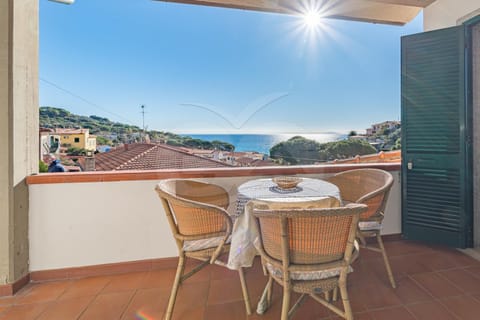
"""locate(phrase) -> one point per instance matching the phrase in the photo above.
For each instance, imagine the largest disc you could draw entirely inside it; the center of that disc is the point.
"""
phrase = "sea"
(263, 142)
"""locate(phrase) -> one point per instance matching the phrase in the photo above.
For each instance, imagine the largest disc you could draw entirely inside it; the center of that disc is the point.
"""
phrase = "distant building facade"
(49, 143)
(240, 159)
(379, 127)
(237, 159)
(77, 138)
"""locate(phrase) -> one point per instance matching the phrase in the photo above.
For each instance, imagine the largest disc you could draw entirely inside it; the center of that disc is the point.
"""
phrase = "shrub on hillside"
(296, 150)
(347, 149)
(299, 150)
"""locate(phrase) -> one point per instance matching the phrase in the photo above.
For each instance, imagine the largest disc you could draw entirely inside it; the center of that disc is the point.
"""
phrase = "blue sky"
(205, 70)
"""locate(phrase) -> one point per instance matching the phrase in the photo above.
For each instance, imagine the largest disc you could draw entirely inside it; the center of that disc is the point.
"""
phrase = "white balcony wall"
(449, 13)
(83, 224)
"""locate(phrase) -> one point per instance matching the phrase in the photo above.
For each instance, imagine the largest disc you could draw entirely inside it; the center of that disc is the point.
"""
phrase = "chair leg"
(326, 295)
(286, 300)
(266, 298)
(385, 259)
(270, 290)
(335, 294)
(264, 269)
(297, 305)
(342, 283)
(246, 297)
(360, 237)
(176, 285)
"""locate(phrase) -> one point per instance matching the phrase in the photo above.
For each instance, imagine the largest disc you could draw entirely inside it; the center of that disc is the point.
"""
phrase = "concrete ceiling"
(397, 12)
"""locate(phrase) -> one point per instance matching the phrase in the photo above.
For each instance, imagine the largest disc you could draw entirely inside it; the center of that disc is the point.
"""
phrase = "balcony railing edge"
(138, 175)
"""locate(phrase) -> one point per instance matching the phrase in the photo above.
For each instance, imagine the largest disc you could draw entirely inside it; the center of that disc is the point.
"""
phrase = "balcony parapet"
(137, 175)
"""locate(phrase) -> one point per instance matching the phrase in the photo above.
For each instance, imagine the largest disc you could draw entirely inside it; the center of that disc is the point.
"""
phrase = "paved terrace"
(434, 283)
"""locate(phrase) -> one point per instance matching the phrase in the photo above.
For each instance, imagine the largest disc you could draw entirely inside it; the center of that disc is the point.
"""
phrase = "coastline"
(262, 143)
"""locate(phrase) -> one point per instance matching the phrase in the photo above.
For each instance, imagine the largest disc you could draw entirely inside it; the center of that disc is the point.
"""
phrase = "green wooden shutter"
(436, 170)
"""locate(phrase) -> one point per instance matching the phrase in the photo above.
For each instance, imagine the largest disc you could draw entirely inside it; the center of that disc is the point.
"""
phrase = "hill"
(299, 150)
(51, 117)
(113, 133)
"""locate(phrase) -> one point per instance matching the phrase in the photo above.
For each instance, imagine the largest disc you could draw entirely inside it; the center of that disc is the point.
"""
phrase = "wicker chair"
(201, 226)
(370, 187)
(307, 251)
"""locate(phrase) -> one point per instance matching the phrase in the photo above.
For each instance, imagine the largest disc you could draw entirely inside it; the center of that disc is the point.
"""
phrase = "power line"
(85, 100)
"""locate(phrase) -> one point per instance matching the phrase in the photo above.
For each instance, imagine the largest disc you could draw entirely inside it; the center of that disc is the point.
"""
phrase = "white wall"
(81, 224)
(449, 13)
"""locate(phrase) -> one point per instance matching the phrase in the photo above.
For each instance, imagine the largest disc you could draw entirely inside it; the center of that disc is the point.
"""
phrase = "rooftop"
(433, 283)
(70, 131)
(246, 161)
(381, 157)
(146, 156)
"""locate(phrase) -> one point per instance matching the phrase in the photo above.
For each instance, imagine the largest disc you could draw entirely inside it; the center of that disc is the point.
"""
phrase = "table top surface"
(266, 188)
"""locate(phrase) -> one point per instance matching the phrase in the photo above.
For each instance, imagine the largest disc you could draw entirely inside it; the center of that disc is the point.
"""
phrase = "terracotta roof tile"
(144, 156)
(389, 156)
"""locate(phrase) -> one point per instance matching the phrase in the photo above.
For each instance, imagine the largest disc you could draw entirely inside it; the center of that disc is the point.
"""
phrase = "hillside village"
(88, 145)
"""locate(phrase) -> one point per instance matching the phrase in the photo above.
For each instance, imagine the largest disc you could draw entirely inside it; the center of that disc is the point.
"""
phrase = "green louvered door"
(436, 168)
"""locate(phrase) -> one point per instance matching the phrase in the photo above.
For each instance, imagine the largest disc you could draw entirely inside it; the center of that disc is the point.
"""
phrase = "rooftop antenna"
(143, 117)
(143, 120)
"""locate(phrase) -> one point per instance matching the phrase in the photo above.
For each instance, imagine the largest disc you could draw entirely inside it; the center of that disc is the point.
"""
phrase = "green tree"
(299, 150)
(397, 145)
(42, 166)
(347, 149)
(174, 142)
(395, 139)
(385, 131)
(72, 151)
(224, 146)
(104, 141)
(296, 150)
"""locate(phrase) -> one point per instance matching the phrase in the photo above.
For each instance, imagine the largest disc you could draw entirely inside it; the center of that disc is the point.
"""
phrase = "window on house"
(77, 140)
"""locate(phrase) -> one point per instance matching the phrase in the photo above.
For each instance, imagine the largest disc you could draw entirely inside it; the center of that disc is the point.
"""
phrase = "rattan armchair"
(370, 187)
(308, 251)
(201, 226)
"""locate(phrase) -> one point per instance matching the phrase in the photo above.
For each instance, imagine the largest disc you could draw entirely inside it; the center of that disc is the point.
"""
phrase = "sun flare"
(312, 19)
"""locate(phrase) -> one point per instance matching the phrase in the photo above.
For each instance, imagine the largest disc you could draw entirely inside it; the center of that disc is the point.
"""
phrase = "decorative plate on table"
(286, 182)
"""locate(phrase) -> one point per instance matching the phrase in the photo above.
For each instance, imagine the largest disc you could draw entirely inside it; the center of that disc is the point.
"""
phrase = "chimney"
(125, 146)
(90, 162)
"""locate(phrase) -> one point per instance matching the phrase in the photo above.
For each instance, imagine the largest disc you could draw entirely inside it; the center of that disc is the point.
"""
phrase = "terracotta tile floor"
(434, 283)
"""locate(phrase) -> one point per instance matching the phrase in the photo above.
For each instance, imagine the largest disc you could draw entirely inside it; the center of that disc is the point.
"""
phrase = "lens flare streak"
(141, 315)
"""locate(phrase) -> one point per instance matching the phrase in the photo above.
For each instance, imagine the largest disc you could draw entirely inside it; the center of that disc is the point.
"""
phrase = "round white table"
(266, 189)
(245, 235)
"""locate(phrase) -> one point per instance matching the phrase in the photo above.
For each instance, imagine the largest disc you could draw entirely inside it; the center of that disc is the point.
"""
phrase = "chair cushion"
(369, 225)
(196, 245)
(366, 225)
(312, 275)
(306, 275)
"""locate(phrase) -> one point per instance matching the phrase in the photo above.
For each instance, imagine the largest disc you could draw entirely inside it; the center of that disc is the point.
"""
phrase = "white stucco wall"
(82, 224)
(449, 13)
